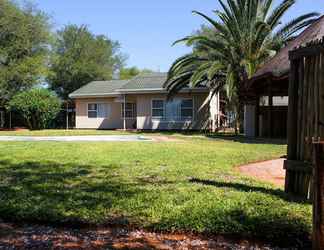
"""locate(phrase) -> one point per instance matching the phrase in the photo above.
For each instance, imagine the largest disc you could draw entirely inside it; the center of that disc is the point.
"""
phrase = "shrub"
(37, 106)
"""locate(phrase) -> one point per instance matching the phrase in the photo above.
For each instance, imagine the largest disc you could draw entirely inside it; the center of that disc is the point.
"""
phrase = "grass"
(189, 185)
(60, 132)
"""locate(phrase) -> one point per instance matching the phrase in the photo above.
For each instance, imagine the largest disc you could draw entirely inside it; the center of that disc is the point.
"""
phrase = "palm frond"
(215, 24)
(276, 15)
(297, 24)
(200, 74)
(185, 39)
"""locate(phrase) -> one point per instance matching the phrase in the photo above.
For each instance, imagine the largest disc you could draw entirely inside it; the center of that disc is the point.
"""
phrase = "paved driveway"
(95, 138)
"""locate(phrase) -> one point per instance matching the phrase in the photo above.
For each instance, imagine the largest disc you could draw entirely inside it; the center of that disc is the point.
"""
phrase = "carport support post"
(257, 117)
(124, 113)
(270, 110)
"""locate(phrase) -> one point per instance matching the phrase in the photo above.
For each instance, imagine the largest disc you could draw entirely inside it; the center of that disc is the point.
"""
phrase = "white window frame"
(97, 104)
(133, 110)
(158, 117)
(181, 119)
(188, 118)
(92, 110)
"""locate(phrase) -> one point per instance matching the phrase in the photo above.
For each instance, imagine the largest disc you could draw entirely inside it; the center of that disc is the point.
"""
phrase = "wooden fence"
(318, 201)
(305, 116)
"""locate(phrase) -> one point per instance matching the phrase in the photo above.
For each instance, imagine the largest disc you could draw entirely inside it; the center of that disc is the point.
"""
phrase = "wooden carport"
(270, 119)
(272, 79)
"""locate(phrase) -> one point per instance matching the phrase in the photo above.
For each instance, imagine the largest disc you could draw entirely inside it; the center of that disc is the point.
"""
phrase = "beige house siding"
(144, 119)
(113, 121)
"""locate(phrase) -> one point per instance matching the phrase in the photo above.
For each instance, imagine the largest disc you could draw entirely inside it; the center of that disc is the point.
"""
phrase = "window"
(176, 110)
(276, 101)
(130, 110)
(264, 101)
(92, 110)
(98, 110)
(158, 108)
(280, 100)
(186, 109)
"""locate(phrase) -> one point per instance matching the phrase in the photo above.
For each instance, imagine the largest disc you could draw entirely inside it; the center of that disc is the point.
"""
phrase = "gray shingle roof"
(99, 88)
(146, 81)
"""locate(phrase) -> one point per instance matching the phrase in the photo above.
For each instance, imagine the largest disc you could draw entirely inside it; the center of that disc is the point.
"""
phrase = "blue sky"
(145, 28)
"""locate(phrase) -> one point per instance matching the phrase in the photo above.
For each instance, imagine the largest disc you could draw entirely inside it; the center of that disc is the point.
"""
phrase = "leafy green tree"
(128, 73)
(246, 33)
(37, 106)
(24, 39)
(80, 57)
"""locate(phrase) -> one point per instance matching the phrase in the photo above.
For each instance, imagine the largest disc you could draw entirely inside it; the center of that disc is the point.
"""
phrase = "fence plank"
(301, 82)
(306, 117)
(318, 201)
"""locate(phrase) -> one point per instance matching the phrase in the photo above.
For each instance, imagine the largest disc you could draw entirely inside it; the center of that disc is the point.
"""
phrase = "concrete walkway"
(269, 171)
(96, 138)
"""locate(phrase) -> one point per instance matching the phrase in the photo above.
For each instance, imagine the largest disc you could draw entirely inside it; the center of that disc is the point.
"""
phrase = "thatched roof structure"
(279, 65)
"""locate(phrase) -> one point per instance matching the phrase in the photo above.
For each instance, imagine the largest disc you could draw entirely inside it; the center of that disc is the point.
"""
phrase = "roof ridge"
(279, 64)
(148, 74)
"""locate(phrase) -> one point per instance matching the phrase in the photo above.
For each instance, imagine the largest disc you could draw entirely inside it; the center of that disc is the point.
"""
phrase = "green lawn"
(190, 185)
(61, 132)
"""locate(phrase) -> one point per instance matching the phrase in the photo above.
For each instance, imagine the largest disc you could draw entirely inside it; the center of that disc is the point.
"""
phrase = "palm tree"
(246, 33)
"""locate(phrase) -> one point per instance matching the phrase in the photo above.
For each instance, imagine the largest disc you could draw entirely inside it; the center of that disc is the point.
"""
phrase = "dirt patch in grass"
(45, 237)
(270, 171)
(158, 138)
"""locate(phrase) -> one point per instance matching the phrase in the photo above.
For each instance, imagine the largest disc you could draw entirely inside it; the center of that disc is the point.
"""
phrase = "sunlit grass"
(190, 185)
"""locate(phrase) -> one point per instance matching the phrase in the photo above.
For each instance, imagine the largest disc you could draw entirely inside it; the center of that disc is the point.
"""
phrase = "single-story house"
(141, 103)
(266, 109)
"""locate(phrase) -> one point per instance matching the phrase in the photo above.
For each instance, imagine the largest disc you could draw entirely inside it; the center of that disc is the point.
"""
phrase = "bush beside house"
(37, 106)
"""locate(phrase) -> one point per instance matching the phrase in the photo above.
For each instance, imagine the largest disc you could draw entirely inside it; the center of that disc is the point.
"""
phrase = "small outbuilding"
(266, 107)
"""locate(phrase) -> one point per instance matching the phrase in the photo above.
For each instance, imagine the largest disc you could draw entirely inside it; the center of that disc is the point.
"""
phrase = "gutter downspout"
(124, 112)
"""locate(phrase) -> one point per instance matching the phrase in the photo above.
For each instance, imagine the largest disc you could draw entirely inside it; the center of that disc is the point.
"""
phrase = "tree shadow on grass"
(247, 140)
(250, 188)
(268, 224)
(63, 194)
(76, 195)
(221, 136)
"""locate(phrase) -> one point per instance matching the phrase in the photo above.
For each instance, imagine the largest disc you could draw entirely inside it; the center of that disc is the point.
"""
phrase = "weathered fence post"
(305, 116)
(318, 197)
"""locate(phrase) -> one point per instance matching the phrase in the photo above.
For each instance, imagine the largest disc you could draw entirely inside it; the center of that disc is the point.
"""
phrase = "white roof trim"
(94, 95)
